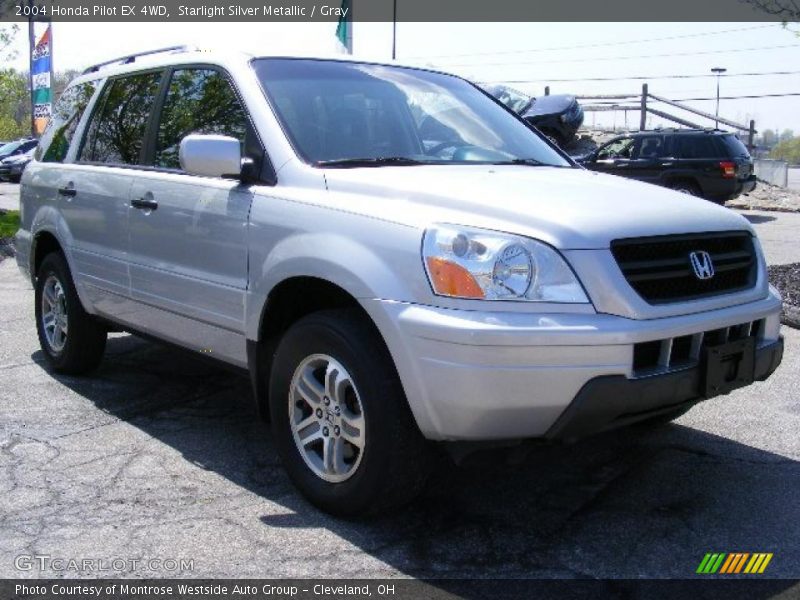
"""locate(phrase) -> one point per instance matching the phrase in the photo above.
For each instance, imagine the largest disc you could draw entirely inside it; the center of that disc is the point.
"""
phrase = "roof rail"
(125, 60)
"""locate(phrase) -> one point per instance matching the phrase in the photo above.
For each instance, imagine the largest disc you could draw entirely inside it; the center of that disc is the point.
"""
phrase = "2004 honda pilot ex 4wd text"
(396, 257)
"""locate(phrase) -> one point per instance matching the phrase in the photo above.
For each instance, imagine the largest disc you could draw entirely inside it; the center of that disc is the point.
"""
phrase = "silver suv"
(395, 257)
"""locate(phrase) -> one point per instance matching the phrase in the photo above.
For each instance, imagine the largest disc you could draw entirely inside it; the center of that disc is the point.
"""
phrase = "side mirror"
(211, 155)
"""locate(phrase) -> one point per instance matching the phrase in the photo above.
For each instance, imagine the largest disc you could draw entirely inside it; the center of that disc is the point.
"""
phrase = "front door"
(615, 157)
(188, 234)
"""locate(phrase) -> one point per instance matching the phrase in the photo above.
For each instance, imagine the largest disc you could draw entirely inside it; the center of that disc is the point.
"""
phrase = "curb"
(7, 249)
(790, 315)
(780, 209)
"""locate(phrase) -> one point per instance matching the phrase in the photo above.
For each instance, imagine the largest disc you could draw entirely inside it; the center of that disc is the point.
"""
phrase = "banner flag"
(41, 94)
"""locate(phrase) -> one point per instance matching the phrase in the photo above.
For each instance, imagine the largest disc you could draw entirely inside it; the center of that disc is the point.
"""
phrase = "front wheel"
(72, 340)
(340, 419)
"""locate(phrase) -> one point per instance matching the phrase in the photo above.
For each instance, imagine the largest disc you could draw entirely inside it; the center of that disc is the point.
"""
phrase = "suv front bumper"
(614, 401)
(474, 375)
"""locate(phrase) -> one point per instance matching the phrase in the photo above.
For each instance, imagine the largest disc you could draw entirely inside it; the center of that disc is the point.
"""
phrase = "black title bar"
(406, 10)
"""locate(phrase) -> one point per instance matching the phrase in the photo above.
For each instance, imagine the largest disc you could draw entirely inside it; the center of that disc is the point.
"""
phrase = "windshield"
(516, 101)
(339, 111)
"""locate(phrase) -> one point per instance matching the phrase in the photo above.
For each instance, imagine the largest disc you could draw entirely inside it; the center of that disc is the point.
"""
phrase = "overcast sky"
(529, 54)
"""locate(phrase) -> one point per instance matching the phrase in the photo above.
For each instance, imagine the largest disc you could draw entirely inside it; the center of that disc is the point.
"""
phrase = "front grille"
(660, 269)
(672, 354)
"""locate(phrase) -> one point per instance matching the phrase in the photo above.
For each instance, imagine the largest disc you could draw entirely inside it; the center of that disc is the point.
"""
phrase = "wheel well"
(288, 302)
(44, 244)
(295, 298)
(685, 180)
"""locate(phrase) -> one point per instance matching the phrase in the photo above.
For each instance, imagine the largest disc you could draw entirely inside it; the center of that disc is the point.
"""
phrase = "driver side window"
(616, 149)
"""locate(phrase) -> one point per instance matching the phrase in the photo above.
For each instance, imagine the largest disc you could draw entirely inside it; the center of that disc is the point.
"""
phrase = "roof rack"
(126, 60)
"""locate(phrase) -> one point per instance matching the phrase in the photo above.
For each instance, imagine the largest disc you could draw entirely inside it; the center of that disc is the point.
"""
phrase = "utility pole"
(643, 109)
(31, 44)
(394, 29)
(718, 71)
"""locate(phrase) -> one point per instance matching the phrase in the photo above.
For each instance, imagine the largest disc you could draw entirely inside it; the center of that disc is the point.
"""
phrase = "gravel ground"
(787, 279)
(768, 197)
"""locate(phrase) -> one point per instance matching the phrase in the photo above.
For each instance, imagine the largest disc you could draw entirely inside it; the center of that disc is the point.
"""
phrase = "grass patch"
(9, 223)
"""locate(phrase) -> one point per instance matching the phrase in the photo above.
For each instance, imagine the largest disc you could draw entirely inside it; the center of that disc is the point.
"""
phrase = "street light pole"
(718, 71)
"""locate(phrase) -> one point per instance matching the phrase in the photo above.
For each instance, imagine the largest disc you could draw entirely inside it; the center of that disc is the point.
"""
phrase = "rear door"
(96, 188)
(188, 234)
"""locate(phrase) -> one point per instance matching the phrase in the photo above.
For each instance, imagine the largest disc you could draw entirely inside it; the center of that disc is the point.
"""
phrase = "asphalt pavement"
(160, 456)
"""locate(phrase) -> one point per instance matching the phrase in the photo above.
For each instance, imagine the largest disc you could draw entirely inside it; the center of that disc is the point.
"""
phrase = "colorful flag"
(41, 93)
(344, 30)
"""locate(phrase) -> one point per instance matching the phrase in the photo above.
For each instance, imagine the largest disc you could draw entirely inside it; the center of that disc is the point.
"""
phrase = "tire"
(686, 187)
(389, 467)
(79, 349)
(666, 418)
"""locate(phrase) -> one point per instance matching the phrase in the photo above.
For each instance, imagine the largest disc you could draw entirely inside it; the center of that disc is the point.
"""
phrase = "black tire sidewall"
(381, 402)
(56, 264)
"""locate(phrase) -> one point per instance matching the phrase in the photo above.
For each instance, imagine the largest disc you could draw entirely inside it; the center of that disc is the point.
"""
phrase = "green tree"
(788, 150)
(786, 134)
(14, 103)
(7, 35)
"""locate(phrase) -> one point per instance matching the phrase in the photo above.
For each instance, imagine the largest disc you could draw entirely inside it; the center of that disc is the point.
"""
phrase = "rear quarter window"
(69, 109)
(697, 146)
(733, 146)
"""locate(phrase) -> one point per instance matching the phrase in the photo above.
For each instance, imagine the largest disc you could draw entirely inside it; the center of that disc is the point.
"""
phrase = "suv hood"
(569, 208)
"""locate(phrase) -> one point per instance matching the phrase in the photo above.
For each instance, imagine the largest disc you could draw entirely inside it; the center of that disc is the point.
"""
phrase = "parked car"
(557, 116)
(16, 147)
(11, 168)
(389, 292)
(709, 163)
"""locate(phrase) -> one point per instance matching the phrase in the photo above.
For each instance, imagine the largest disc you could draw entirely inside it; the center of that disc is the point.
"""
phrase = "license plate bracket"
(728, 366)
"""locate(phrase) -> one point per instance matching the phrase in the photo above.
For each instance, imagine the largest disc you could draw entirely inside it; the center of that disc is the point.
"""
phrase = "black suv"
(709, 163)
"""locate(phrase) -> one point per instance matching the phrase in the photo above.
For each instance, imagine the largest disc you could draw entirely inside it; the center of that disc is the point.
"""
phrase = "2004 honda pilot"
(395, 257)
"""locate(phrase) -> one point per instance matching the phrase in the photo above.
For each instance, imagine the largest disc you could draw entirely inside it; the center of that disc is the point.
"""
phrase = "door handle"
(144, 204)
(68, 191)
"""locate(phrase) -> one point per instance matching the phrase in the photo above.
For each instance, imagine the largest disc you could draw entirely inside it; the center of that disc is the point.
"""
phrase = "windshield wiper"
(530, 162)
(380, 161)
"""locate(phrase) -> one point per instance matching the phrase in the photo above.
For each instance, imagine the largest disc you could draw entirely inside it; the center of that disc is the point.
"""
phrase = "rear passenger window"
(67, 114)
(198, 101)
(697, 146)
(118, 126)
(650, 147)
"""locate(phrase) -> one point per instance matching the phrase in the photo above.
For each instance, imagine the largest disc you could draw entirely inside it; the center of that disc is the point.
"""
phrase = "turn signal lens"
(450, 279)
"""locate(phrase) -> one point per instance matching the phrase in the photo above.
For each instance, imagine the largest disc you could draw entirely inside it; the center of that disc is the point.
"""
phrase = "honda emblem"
(702, 264)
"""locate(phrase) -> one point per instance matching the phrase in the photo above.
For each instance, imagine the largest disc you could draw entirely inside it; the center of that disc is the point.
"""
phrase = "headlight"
(463, 262)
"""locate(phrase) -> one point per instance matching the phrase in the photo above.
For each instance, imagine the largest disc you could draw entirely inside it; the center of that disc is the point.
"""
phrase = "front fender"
(383, 264)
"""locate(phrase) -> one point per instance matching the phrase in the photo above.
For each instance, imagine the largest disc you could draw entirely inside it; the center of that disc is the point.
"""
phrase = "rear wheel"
(340, 419)
(686, 187)
(72, 340)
